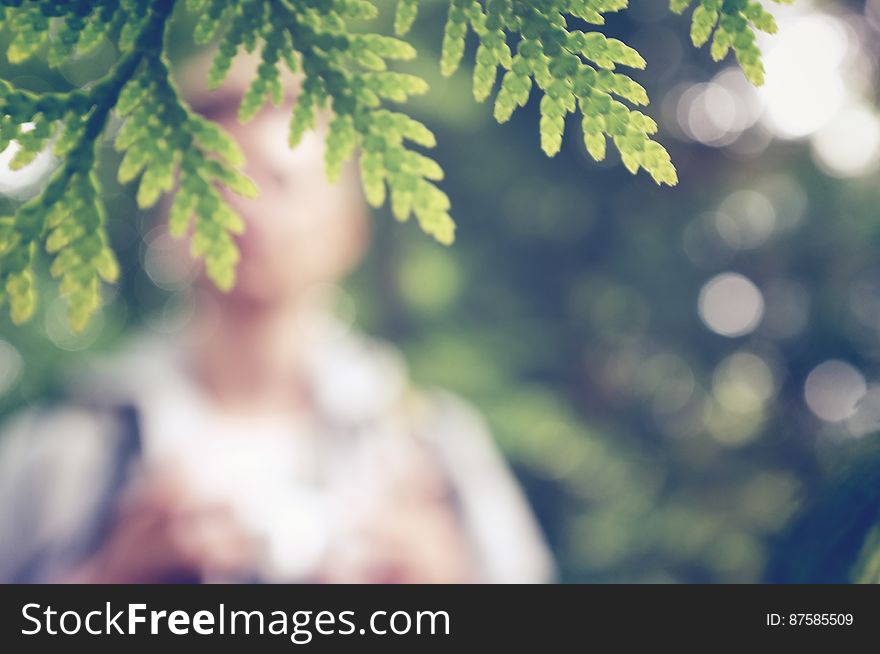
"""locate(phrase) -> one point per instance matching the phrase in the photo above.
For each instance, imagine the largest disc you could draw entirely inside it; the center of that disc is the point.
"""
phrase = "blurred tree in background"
(673, 372)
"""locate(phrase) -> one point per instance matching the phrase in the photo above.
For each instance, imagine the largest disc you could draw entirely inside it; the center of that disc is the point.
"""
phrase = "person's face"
(301, 230)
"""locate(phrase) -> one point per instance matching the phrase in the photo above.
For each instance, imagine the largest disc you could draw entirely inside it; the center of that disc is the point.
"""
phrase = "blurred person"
(269, 442)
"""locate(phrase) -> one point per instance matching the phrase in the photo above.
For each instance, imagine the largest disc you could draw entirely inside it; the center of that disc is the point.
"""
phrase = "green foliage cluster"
(166, 146)
(574, 69)
(731, 24)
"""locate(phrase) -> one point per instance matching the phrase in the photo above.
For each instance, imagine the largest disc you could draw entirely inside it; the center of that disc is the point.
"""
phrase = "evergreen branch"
(731, 25)
(575, 70)
(347, 74)
(68, 218)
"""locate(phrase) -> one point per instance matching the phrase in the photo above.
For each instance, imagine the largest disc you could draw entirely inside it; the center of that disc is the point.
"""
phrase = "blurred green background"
(674, 373)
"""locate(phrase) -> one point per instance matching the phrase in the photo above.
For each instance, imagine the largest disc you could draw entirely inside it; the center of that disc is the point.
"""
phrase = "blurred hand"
(414, 537)
(162, 533)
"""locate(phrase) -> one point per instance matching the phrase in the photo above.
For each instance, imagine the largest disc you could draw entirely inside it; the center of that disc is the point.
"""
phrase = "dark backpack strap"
(120, 426)
(127, 453)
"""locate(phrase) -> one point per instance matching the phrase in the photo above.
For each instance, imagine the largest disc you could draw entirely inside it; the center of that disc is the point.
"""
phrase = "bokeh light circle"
(731, 305)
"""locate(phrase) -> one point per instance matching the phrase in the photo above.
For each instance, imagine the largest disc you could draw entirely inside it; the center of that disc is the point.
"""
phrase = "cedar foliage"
(549, 45)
